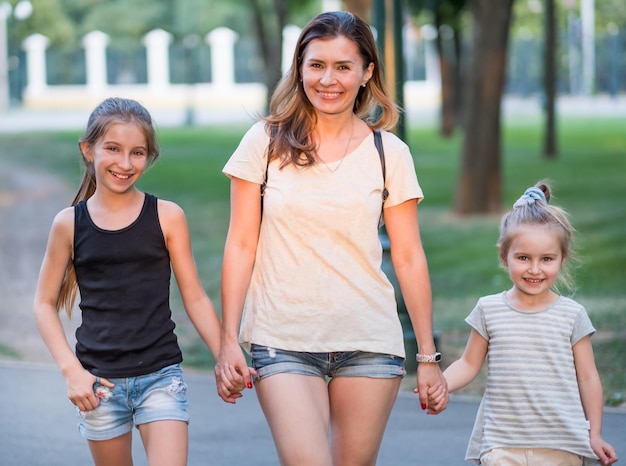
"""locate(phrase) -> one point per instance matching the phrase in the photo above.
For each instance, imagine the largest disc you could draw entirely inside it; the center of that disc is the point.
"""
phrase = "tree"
(361, 8)
(550, 77)
(269, 18)
(447, 18)
(479, 184)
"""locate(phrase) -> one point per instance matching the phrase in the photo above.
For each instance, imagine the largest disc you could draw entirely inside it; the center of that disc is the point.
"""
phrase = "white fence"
(221, 94)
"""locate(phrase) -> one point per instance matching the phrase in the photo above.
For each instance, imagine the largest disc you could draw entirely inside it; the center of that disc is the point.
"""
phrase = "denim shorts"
(269, 361)
(159, 396)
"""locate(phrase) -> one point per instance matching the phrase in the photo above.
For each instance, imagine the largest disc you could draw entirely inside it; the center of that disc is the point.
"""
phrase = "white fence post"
(222, 42)
(95, 44)
(157, 44)
(35, 47)
(290, 38)
(431, 60)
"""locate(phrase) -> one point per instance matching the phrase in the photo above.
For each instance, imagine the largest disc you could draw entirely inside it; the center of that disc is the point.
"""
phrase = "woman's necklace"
(345, 152)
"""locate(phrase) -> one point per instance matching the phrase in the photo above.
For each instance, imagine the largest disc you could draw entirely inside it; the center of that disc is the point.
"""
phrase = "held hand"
(437, 398)
(232, 374)
(432, 388)
(605, 452)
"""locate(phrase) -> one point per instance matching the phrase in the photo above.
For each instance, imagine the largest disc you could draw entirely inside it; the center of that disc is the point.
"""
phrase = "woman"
(305, 284)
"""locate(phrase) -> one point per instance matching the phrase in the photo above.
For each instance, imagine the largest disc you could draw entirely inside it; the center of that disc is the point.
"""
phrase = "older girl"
(115, 246)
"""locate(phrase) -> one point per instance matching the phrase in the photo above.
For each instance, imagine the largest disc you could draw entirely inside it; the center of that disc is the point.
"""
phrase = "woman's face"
(332, 72)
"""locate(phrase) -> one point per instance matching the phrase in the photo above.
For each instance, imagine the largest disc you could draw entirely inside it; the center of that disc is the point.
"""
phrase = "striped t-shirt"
(531, 399)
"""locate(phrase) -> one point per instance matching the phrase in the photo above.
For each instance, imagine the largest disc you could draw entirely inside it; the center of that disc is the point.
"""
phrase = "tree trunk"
(361, 8)
(448, 49)
(549, 143)
(270, 42)
(479, 186)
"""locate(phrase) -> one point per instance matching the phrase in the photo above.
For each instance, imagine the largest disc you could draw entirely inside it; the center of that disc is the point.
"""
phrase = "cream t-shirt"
(317, 283)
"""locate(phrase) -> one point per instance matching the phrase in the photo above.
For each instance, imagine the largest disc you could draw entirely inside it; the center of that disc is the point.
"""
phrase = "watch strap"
(435, 357)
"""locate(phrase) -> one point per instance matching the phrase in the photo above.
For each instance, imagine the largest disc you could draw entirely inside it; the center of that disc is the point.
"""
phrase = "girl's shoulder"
(63, 226)
(172, 220)
(65, 217)
(569, 305)
(169, 209)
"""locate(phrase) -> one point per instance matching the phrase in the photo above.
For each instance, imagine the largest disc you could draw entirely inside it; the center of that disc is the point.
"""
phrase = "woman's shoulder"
(392, 142)
(257, 131)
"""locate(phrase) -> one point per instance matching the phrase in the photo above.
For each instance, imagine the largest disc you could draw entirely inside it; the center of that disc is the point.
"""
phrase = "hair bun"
(530, 196)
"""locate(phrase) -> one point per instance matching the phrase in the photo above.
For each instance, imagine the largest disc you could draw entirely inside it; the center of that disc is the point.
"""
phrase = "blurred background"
(209, 54)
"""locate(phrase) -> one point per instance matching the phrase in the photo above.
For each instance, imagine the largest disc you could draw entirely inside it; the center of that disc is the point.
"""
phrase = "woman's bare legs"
(359, 411)
(297, 411)
(300, 409)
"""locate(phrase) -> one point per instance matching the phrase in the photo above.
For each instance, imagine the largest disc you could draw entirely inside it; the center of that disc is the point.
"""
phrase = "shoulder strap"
(378, 142)
(267, 166)
(264, 184)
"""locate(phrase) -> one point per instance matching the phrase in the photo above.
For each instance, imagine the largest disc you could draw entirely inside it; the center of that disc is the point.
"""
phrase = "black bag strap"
(267, 167)
(378, 142)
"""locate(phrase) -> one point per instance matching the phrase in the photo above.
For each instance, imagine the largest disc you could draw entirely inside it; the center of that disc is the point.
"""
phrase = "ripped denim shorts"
(159, 396)
(268, 361)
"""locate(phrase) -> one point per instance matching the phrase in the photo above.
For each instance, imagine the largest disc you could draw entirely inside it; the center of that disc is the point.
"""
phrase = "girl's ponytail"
(69, 286)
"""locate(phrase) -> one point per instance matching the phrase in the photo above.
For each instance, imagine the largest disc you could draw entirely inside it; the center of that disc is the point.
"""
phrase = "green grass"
(588, 177)
(9, 353)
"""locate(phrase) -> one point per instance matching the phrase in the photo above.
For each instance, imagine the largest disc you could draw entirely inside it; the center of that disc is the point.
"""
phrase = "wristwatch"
(428, 357)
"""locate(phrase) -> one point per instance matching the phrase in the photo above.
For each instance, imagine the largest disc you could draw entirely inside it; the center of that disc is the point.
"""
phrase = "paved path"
(38, 426)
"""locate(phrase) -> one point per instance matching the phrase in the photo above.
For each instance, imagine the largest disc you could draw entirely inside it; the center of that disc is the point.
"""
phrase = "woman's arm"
(411, 268)
(58, 254)
(590, 388)
(238, 261)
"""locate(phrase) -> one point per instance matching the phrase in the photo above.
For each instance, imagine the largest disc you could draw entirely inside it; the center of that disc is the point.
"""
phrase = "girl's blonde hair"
(111, 111)
(292, 116)
(533, 208)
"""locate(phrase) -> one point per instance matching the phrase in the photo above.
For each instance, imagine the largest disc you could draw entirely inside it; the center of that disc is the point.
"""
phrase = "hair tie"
(530, 196)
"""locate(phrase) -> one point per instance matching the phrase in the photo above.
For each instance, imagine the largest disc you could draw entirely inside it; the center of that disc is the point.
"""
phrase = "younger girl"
(115, 247)
(543, 399)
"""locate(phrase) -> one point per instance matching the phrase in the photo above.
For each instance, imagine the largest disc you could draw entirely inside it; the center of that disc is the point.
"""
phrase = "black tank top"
(124, 281)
